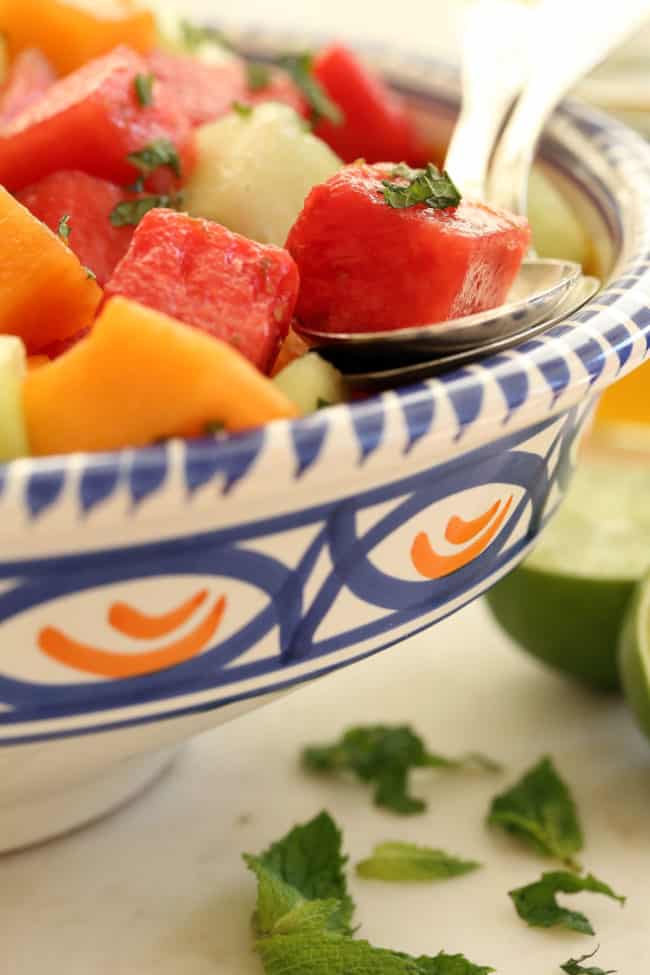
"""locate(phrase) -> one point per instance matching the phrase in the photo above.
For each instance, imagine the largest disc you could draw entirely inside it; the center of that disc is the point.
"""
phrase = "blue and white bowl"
(150, 594)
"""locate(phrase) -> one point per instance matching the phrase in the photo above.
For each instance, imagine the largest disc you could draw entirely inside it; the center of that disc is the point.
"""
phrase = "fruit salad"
(172, 213)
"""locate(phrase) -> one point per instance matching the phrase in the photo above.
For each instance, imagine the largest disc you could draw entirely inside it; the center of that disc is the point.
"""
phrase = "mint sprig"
(429, 186)
(301, 69)
(310, 935)
(159, 153)
(129, 213)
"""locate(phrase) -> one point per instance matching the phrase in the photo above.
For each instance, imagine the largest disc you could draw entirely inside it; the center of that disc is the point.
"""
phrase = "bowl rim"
(607, 338)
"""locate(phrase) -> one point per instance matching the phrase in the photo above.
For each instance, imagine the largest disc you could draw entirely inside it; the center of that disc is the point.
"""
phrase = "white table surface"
(160, 889)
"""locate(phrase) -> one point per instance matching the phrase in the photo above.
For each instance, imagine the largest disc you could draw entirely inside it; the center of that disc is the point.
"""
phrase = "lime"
(634, 655)
(566, 603)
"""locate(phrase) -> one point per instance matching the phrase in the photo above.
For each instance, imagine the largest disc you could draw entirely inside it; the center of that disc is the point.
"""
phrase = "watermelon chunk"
(88, 202)
(91, 120)
(376, 124)
(30, 77)
(206, 91)
(202, 274)
(365, 266)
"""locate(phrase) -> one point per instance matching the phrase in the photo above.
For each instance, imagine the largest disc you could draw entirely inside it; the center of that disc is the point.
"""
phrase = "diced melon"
(45, 293)
(557, 232)
(140, 376)
(311, 383)
(72, 32)
(13, 436)
(254, 171)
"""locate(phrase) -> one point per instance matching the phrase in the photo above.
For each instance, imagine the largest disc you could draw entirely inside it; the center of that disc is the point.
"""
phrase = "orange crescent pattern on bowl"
(431, 565)
(130, 621)
(109, 663)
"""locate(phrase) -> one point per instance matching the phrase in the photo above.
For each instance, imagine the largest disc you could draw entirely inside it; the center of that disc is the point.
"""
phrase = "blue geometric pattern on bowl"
(403, 554)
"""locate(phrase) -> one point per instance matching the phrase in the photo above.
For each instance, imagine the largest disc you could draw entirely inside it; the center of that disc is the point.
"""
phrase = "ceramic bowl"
(150, 594)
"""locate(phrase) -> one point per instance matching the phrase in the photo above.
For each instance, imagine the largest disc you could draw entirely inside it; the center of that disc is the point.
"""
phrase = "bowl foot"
(48, 816)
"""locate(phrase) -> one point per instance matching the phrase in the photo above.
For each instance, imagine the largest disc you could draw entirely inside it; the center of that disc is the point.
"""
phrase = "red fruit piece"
(202, 274)
(365, 266)
(30, 76)
(206, 91)
(376, 123)
(88, 202)
(91, 120)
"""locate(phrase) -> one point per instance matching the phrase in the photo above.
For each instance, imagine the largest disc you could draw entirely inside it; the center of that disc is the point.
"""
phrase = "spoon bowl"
(362, 374)
(540, 287)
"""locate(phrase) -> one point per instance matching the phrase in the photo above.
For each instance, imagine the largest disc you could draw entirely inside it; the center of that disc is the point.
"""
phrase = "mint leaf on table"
(575, 967)
(408, 863)
(540, 810)
(332, 954)
(306, 865)
(429, 186)
(536, 903)
(301, 69)
(384, 756)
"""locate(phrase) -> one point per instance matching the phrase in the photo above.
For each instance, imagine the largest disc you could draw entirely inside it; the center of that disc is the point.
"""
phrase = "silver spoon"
(495, 65)
(359, 376)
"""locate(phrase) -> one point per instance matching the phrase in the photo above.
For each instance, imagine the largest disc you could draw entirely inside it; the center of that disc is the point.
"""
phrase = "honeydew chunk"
(311, 383)
(255, 170)
(557, 231)
(13, 365)
(175, 32)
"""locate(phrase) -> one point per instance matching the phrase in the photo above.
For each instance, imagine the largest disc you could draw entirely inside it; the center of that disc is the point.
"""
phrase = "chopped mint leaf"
(129, 213)
(212, 427)
(194, 35)
(64, 229)
(160, 152)
(428, 186)
(322, 404)
(258, 75)
(408, 863)
(90, 274)
(537, 906)
(574, 966)
(144, 88)
(300, 67)
(318, 953)
(242, 109)
(540, 810)
(307, 864)
(384, 756)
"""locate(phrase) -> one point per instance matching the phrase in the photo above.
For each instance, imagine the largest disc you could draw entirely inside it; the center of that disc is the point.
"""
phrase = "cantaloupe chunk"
(74, 32)
(45, 293)
(141, 376)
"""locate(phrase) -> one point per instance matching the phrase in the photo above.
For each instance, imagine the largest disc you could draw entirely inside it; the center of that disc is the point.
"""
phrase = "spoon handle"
(571, 38)
(493, 59)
